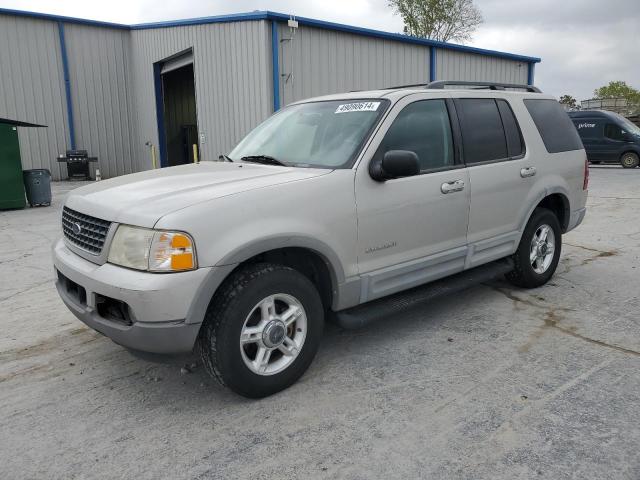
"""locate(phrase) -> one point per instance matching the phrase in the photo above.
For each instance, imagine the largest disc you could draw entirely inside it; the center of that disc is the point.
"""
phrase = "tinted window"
(555, 126)
(483, 136)
(422, 127)
(515, 145)
(588, 128)
(614, 132)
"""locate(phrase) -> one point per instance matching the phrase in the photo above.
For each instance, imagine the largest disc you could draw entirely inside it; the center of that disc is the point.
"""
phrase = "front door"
(412, 230)
(615, 142)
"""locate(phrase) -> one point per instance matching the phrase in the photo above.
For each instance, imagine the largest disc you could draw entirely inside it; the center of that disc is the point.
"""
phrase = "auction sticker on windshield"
(358, 107)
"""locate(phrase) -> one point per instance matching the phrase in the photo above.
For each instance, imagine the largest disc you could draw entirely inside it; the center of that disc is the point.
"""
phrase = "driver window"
(422, 127)
(614, 132)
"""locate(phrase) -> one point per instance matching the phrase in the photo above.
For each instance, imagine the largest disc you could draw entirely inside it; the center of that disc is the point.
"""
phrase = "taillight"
(585, 184)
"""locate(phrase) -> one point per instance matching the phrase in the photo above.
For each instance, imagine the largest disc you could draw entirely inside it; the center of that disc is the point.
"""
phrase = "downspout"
(275, 69)
(531, 73)
(67, 85)
(432, 64)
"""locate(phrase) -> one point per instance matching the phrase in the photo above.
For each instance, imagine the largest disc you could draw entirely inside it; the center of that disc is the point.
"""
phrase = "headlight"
(153, 250)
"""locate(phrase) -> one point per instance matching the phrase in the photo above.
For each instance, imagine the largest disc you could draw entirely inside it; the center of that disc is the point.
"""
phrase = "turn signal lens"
(171, 252)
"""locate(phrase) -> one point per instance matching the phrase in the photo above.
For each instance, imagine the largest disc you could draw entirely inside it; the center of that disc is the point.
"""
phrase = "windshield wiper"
(264, 159)
(225, 158)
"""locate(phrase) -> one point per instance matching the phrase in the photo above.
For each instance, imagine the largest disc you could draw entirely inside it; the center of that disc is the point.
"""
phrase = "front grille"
(90, 232)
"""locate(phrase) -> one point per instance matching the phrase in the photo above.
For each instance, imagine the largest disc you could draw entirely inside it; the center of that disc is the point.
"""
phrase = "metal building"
(116, 90)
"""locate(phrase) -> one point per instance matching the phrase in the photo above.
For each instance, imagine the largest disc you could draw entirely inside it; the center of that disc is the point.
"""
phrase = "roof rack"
(441, 84)
(425, 85)
(481, 85)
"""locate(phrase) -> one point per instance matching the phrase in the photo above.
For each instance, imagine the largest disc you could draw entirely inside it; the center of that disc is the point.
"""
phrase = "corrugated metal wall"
(232, 65)
(324, 61)
(463, 66)
(32, 88)
(100, 76)
(112, 80)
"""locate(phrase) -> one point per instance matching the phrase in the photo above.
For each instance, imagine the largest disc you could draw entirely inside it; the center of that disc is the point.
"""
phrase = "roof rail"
(425, 85)
(439, 84)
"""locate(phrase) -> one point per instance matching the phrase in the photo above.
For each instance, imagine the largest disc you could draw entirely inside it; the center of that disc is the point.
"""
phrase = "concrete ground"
(496, 383)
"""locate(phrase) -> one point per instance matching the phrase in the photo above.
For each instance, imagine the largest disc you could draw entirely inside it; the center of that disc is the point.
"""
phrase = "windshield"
(318, 134)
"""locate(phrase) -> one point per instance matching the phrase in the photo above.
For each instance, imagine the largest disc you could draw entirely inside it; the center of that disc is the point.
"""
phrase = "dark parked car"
(608, 137)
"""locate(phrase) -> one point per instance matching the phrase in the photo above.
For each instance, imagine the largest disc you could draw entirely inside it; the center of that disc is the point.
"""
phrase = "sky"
(584, 44)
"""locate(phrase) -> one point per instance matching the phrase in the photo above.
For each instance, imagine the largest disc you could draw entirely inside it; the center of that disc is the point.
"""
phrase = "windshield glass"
(318, 134)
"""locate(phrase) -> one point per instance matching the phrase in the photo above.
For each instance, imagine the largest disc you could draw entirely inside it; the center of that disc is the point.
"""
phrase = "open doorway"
(178, 121)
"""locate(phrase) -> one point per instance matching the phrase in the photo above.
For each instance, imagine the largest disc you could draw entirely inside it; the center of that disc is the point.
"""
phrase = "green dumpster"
(11, 183)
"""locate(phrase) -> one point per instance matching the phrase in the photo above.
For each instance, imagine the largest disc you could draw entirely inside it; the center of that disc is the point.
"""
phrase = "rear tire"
(262, 329)
(629, 160)
(533, 263)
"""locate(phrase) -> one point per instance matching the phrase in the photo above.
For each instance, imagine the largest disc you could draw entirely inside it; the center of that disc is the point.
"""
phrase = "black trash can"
(37, 184)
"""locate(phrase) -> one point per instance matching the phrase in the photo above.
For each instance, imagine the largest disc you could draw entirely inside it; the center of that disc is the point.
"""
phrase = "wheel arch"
(314, 259)
(558, 203)
(554, 199)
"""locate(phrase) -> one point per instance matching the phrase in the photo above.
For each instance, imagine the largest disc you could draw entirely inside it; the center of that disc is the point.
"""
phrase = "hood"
(143, 198)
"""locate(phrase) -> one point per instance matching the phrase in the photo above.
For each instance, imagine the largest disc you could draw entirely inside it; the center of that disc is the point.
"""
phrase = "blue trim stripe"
(67, 86)
(432, 64)
(280, 17)
(275, 68)
(531, 73)
(162, 138)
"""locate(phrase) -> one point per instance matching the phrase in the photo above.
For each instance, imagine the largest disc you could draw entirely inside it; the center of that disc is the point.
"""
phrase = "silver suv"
(329, 204)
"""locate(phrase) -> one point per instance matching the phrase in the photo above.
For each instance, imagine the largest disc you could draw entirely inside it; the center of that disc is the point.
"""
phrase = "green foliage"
(443, 20)
(619, 89)
(569, 101)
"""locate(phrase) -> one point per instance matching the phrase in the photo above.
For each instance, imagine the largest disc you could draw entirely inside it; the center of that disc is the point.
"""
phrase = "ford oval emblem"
(76, 228)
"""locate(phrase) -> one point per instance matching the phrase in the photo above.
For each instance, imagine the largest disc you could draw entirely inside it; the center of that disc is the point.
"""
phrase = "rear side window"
(515, 145)
(483, 137)
(555, 126)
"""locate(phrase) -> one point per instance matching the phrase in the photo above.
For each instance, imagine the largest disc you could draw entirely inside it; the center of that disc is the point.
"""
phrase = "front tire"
(538, 253)
(629, 160)
(262, 329)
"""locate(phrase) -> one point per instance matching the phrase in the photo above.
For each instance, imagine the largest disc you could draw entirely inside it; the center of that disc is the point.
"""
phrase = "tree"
(442, 20)
(568, 101)
(619, 89)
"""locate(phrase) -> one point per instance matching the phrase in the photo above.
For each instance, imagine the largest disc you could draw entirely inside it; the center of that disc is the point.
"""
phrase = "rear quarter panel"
(561, 172)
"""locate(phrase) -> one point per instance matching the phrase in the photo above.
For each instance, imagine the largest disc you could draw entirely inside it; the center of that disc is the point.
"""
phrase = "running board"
(370, 312)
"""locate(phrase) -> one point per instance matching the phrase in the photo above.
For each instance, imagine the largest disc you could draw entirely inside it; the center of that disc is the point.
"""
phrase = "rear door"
(500, 175)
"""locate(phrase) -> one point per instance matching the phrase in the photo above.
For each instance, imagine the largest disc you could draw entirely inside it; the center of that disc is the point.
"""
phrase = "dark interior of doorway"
(180, 121)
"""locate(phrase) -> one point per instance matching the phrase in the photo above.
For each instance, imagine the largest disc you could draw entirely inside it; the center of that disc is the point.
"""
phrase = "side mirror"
(395, 164)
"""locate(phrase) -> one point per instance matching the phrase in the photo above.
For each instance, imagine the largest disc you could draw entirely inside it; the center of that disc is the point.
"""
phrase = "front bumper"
(158, 305)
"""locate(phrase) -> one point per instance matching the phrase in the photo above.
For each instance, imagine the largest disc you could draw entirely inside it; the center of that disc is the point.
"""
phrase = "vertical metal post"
(531, 73)
(67, 85)
(274, 66)
(432, 64)
(195, 154)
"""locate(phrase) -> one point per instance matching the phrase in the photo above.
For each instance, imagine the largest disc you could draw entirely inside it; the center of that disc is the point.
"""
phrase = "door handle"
(527, 172)
(455, 186)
